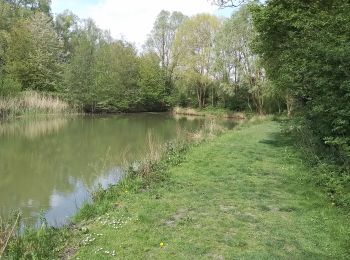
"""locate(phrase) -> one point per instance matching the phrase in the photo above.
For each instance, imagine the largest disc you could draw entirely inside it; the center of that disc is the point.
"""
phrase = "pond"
(50, 165)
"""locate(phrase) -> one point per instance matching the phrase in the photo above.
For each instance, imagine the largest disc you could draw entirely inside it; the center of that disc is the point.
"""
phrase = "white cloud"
(131, 19)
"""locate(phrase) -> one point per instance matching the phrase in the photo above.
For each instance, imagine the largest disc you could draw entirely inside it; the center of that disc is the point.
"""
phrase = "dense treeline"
(195, 61)
(305, 50)
(209, 62)
(72, 58)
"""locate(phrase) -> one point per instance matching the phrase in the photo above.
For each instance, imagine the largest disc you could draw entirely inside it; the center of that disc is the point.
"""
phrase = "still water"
(49, 166)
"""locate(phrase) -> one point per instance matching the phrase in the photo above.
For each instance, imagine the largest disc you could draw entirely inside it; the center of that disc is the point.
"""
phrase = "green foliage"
(34, 53)
(9, 87)
(194, 46)
(152, 83)
(323, 161)
(244, 82)
(199, 61)
(304, 48)
(102, 74)
(66, 25)
(116, 77)
(42, 243)
(161, 39)
(17, 241)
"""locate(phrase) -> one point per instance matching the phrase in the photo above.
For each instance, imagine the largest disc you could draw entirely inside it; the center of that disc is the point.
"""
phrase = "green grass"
(244, 195)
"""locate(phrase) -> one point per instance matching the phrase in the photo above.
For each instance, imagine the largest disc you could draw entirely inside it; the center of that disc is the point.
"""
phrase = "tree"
(5, 24)
(116, 77)
(102, 74)
(305, 49)
(43, 6)
(34, 55)
(66, 25)
(229, 3)
(161, 39)
(152, 83)
(194, 42)
(238, 65)
(79, 74)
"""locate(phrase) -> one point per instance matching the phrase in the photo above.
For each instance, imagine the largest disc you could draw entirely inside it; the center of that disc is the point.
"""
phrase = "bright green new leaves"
(116, 77)
(194, 45)
(66, 25)
(152, 83)
(34, 54)
(161, 38)
(102, 74)
(238, 67)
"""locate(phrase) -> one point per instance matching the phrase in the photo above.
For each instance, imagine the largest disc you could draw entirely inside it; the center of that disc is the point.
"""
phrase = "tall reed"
(32, 102)
(209, 112)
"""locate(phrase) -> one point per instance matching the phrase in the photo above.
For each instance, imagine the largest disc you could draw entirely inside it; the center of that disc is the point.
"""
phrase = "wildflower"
(161, 244)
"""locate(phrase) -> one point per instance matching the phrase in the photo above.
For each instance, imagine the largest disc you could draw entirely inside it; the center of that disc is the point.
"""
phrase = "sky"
(132, 20)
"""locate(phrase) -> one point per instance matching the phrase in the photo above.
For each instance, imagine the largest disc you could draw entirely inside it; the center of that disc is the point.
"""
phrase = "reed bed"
(32, 102)
(209, 112)
(157, 153)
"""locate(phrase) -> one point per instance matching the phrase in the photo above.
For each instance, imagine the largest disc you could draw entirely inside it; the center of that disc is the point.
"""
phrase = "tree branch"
(228, 3)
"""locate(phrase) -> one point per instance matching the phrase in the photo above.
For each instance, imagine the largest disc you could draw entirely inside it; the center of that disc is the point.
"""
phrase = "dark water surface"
(50, 165)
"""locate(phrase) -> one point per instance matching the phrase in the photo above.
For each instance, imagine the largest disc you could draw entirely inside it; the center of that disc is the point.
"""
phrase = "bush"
(9, 87)
(329, 169)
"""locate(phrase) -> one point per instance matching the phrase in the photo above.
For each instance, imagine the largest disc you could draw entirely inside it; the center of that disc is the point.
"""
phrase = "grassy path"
(241, 196)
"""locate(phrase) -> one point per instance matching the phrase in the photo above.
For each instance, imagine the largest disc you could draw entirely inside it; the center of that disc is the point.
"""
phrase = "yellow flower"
(161, 244)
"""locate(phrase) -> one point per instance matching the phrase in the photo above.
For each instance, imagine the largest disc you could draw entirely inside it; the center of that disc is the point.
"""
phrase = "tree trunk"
(199, 97)
(212, 96)
(289, 103)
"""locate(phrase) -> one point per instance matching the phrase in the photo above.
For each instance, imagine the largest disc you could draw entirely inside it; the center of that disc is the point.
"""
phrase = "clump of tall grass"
(8, 230)
(209, 112)
(209, 130)
(32, 102)
(18, 241)
(172, 151)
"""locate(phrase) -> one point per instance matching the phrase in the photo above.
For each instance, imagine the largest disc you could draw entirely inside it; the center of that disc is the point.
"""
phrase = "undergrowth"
(329, 167)
(18, 241)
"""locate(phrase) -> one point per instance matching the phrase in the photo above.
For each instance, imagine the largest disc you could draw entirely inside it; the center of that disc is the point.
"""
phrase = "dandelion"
(161, 244)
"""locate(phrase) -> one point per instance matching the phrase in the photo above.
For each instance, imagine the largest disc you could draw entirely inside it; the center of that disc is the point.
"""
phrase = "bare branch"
(228, 3)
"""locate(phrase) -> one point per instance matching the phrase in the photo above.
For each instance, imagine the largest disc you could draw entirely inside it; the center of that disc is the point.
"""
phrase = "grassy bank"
(19, 241)
(31, 102)
(244, 195)
(209, 112)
